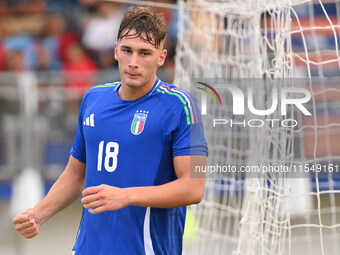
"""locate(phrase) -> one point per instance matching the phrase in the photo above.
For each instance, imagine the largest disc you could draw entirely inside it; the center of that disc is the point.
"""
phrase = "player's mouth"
(133, 75)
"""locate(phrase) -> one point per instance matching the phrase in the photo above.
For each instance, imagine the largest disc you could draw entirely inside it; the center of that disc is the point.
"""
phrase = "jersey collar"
(155, 86)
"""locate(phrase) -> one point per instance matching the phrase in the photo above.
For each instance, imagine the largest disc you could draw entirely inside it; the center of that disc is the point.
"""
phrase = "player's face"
(138, 61)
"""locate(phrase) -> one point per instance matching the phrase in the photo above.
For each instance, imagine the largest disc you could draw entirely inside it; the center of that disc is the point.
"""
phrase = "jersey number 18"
(110, 157)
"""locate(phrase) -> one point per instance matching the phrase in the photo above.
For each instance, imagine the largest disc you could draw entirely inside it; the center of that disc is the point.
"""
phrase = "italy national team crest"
(138, 122)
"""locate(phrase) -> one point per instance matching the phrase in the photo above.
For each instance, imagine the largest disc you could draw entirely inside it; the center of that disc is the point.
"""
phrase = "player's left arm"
(185, 190)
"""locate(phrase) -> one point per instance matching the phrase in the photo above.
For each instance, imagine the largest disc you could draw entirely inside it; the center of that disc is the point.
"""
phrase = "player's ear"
(162, 57)
(116, 51)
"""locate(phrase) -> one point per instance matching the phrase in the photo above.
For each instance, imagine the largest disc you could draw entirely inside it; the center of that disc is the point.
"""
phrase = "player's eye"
(127, 51)
(145, 54)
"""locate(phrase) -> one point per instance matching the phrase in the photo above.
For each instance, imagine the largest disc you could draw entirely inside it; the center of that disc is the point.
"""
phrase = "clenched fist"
(27, 224)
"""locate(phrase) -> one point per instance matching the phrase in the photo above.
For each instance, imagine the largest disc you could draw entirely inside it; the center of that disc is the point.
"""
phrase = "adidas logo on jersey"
(89, 121)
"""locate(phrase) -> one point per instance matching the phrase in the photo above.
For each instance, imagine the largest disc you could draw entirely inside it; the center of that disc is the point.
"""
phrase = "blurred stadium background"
(52, 51)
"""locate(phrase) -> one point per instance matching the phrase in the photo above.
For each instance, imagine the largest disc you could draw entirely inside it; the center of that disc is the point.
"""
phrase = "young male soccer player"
(132, 151)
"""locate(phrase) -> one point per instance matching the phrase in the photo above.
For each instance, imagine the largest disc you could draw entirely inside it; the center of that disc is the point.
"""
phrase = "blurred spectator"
(20, 7)
(26, 45)
(66, 40)
(61, 5)
(106, 59)
(50, 47)
(29, 24)
(90, 5)
(45, 35)
(43, 58)
(79, 69)
(3, 34)
(100, 32)
(2, 58)
(15, 61)
(23, 16)
(70, 10)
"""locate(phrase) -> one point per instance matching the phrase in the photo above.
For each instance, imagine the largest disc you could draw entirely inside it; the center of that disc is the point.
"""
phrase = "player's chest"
(131, 123)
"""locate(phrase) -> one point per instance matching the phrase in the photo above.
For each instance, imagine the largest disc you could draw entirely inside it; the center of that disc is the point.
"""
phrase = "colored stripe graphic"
(141, 125)
(107, 85)
(134, 126)
(137, 126)
(209, 93)
(182, 100)
(193, 106)
(190, 103)
(212, 89)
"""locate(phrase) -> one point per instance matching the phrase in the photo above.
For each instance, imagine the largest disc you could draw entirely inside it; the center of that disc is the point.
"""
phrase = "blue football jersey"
(131, 144)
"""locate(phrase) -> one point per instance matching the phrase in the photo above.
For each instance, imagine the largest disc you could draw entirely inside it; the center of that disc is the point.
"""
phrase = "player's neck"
(129, 93)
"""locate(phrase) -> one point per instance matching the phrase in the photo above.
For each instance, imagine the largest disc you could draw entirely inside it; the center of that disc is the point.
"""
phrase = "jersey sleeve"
(78, 150)
(189, 136)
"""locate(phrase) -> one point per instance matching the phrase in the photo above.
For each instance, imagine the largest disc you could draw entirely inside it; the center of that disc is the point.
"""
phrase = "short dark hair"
(148, 25)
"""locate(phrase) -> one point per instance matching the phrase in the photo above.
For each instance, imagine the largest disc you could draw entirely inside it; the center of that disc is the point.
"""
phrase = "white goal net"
(286, 42)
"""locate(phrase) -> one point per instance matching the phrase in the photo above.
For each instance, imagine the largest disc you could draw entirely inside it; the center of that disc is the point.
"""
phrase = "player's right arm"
(64, 192)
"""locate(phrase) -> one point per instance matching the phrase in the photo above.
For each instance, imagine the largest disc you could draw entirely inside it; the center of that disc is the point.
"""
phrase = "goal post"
(288, 44)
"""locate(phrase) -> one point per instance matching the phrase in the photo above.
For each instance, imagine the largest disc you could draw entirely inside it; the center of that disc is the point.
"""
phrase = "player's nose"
(133, 61)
